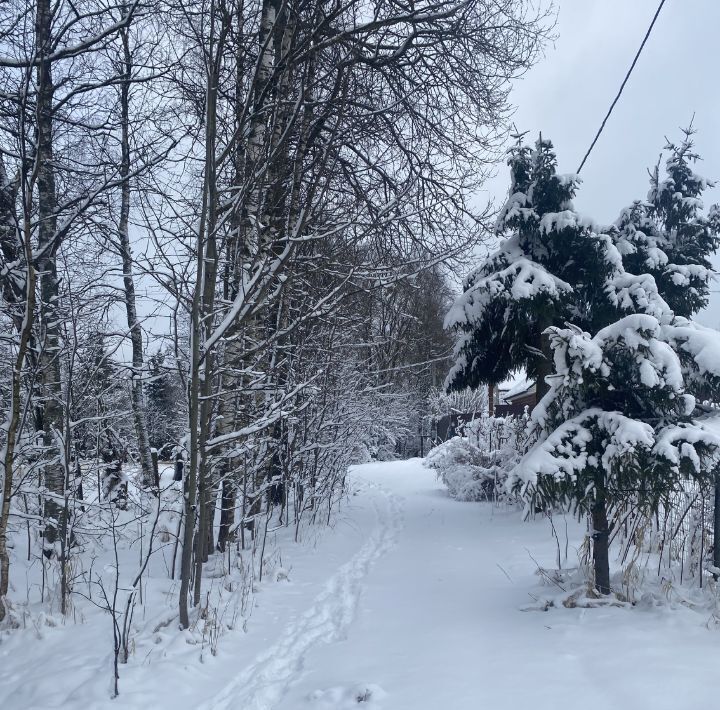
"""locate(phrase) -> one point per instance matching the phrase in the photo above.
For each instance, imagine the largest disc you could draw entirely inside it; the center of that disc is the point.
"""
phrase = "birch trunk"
(49, 361)
(149, 478)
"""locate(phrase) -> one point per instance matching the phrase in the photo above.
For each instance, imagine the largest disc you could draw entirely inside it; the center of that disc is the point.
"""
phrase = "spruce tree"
(620, 422)
(164, 404)
(96, 389)
(548, 270)
(609, 312)
(668, 236)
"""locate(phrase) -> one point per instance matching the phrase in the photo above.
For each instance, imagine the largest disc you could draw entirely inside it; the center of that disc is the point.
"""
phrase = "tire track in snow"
(262, 684)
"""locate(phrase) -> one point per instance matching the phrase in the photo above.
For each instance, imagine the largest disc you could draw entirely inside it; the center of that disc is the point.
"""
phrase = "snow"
(458, 463)
(631, 293)
(566, 219)
(473, 467)
(658, 363)
(675, 443)
(411, 601)
(508, 272)
(573, 351)
(701, 343)
(564, 453)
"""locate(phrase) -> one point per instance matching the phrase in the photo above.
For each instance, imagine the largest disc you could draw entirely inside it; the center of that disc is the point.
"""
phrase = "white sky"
(569, 91)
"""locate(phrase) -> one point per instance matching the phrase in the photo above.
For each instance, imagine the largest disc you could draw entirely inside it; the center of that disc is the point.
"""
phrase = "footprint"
(353, 696)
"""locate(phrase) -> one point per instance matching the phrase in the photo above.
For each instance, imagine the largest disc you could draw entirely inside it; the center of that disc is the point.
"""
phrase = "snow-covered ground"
(411, 601)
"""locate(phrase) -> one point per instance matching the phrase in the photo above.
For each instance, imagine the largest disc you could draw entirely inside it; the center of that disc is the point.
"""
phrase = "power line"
(622, 86)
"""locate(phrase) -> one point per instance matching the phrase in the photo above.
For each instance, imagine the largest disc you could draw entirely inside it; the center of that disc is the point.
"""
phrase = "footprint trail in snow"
(262, 684)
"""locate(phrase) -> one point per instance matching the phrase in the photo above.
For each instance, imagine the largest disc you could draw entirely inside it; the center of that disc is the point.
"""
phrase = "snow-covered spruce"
(668, 236)
(544, 273)
(619, 422)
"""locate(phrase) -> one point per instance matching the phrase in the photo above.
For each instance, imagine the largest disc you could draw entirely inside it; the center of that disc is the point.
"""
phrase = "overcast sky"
(569, 91)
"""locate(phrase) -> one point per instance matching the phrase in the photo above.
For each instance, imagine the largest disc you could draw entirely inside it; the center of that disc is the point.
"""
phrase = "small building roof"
(520, 388)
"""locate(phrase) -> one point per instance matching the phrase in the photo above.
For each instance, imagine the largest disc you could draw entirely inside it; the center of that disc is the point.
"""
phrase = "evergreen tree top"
(547, 270)
(668, 235)
(539, 199)
(555, 266)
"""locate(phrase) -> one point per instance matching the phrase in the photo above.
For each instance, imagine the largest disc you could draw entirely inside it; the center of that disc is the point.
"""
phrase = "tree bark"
(11, 282)
(201, 364)
(601, 537)
(227, 514)
(716, 527)
(13, 421)
(48, 243)
(136, 387)
(544, 367)
(208, 286)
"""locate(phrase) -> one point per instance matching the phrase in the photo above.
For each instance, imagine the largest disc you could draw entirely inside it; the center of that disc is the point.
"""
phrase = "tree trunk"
(716, 527)
(13, 420)
(601, 538)
(155, 468)
(48, 243)
(136, 388)
(208, 286)
(179, 465)
(544, 367)
(11, 250)
(227, 513)
(209, 540)
(190, 482)
(201, 364)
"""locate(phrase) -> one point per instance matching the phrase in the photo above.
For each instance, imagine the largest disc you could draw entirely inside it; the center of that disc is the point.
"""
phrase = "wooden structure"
(514, 401)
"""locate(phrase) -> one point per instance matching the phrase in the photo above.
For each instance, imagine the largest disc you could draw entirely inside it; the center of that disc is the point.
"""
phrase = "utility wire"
(622, 86)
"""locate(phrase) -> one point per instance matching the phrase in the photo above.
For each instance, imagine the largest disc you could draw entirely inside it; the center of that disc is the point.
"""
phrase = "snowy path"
(439, 625)
(411, 602)
(261, 684)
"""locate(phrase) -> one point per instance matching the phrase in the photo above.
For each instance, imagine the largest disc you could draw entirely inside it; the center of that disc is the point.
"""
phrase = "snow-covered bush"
(440, 403)
(474, 466)
(506, 435)
(459, 465)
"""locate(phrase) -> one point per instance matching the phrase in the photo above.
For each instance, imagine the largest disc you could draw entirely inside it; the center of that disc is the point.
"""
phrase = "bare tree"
(283, 171)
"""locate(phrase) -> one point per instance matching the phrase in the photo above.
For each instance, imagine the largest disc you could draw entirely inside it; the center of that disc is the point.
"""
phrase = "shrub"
(475, 465)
